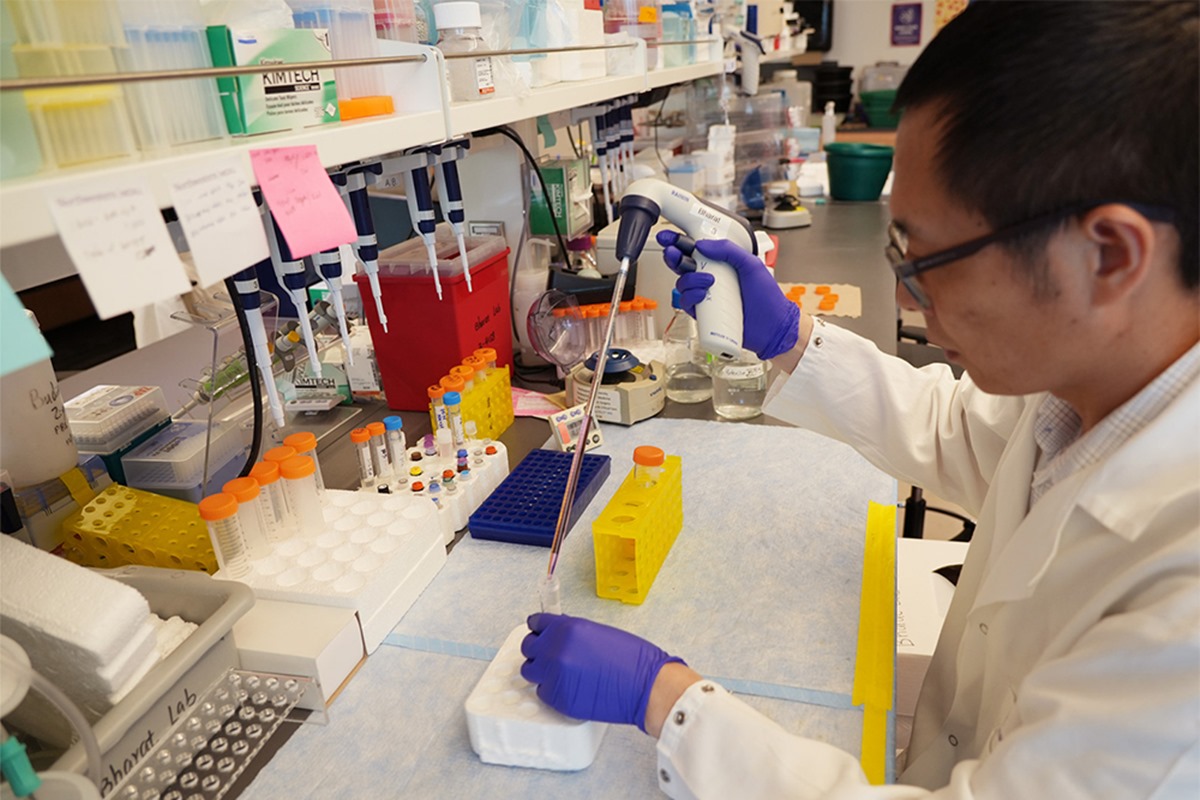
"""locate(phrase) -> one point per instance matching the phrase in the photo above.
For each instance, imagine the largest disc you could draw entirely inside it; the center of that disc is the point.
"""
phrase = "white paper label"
(483, 76)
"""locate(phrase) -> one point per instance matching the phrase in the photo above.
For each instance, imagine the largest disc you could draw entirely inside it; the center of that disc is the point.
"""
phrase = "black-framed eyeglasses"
(907, 269)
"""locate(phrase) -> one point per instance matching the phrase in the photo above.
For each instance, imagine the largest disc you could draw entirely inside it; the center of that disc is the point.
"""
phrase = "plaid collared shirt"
(1063, 452)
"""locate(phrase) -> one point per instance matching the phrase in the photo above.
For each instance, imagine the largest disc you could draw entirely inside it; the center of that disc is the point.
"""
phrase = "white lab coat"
(1069, 663)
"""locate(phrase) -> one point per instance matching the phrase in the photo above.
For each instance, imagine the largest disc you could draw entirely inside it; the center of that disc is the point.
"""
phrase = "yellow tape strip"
(78, 486)
(875, 662)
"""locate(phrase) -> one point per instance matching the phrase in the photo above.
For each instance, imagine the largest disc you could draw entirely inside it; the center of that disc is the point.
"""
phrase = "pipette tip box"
(524, 508)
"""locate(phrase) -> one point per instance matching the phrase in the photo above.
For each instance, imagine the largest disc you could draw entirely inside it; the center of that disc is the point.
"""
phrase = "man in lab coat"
(1045, 223)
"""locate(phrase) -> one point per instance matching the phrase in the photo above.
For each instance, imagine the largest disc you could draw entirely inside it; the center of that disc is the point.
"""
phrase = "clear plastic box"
(172, 462)
(351, 25)
(107, 417)
(54, 22)
(411, 258)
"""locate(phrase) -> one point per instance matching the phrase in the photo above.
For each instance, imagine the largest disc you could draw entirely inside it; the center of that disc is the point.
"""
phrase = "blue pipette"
(625, 112)
(246, 283)
(450, 195)
(291, 275)
(367, 244)
(329, 264)
(415, 167)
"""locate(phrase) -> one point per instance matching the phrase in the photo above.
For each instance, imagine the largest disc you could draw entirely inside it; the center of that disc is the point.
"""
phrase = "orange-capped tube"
(219, 512)
(467, 374)
(488, 354)
(305, 444)
(436, 393)
(275, 506)
(451, 383)
(647, 465)
(280, 454)
(380, 457)
(480, 365)
(361, 437)
(250, 512)
(648, 315)
(300, 484)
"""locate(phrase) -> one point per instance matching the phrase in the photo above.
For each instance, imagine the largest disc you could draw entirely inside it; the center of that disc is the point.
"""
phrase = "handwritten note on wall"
(219, 217)
(303, 200)
(116, 237)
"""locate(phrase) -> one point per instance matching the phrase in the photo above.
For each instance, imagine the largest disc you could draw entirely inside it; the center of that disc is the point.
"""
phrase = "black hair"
(1047, 105)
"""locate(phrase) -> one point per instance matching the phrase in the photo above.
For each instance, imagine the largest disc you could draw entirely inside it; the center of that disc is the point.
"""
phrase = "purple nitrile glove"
(591, 671)
(771, 322)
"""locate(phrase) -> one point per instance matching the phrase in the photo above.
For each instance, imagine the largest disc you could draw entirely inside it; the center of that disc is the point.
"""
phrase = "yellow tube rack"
(634, 533)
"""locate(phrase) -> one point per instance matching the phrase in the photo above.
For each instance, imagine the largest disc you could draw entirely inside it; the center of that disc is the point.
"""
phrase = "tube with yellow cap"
(219, 512)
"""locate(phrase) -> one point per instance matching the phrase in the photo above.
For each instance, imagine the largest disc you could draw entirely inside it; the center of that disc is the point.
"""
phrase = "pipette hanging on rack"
(367, 244)
(451, 197)
(246, 282)
(290, 273)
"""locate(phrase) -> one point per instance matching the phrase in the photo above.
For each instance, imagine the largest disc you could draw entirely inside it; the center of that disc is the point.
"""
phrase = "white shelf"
(26, 214)
(813, 57)
(479, 114)
(672, 75)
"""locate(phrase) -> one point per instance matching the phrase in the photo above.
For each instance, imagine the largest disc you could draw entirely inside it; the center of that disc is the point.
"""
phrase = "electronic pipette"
(291, 276)
(719, 315)
(367, 244)
(450, 195)
(246, 282)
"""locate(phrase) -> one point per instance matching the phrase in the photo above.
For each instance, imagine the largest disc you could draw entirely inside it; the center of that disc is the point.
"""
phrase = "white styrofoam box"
(319, 642)
(377, 553)
(922, 599)
(509, 725)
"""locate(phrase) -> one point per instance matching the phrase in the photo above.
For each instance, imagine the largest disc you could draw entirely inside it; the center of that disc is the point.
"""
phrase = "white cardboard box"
(922, 599)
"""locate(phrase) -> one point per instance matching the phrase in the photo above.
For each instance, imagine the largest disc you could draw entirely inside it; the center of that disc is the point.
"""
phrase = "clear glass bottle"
(688, 378)
(739, 387)
(460, 30)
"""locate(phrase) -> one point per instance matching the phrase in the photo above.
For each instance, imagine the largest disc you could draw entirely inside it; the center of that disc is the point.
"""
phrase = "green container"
(857, 171)
(878, 107)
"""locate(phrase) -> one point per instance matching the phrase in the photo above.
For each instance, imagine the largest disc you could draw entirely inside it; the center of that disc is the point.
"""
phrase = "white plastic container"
(172, 461)
(36, 444)
(460, 30)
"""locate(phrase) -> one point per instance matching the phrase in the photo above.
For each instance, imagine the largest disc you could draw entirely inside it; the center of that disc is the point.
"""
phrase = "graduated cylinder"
(634, 533)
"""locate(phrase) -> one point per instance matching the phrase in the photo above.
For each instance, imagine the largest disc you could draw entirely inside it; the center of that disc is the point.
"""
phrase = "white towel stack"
(90, 635)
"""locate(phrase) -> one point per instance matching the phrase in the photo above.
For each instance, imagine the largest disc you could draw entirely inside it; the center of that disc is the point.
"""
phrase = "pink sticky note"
(303, 200)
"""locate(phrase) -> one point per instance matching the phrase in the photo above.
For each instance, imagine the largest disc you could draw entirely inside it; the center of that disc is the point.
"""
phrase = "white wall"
(862, 33)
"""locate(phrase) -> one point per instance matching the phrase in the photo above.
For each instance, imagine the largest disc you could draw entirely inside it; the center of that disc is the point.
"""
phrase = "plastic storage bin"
(436, 335)
(172, 462)
(173, 685)
(857, 171)
(524, 508)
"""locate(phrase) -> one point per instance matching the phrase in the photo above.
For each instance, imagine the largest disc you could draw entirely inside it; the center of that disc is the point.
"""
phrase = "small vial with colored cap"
(435, 494)
(361, 437)
(436, 393)
(255, 530)
(219, 512)
(445, 444)
(470, 429)
(454, 413)
(647, 466)
(305, 444)
(274, 500)
(300, 483)
(394, 426)
(428, 444)
(379, 451)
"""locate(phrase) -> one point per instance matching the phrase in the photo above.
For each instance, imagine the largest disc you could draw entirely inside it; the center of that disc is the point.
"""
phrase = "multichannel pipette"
(414, 165)
(246, 283)
(450, 194)
(291, 275)
(367, 244)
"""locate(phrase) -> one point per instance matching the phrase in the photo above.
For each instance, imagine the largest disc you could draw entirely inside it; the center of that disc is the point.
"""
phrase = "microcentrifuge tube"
(445, 443)
(550, 594)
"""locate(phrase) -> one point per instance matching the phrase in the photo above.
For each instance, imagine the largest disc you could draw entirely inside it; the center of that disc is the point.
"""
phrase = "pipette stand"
(634, 533)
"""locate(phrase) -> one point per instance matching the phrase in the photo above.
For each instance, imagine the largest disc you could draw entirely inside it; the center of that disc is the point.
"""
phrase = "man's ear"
(1125, 247)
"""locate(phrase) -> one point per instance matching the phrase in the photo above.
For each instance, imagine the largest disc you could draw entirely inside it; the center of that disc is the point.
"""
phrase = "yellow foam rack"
(875, 661)
(634, 533)
(121, 526)
(488, 403)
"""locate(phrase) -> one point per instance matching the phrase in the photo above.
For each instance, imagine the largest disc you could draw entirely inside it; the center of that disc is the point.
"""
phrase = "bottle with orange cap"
(255, 528)
(305, 444)
(300, 484)
(219, 512)
(361, 437)
(274, 501)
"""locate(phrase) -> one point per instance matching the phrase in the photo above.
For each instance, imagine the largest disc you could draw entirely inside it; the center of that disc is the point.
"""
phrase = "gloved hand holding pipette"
(771, 322)
(591, 671)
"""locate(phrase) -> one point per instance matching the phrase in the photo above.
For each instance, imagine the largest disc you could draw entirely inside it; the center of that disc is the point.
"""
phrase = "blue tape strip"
(814, 697)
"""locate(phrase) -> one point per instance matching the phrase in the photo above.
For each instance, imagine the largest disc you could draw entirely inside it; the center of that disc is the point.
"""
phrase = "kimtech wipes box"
(279, 100)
